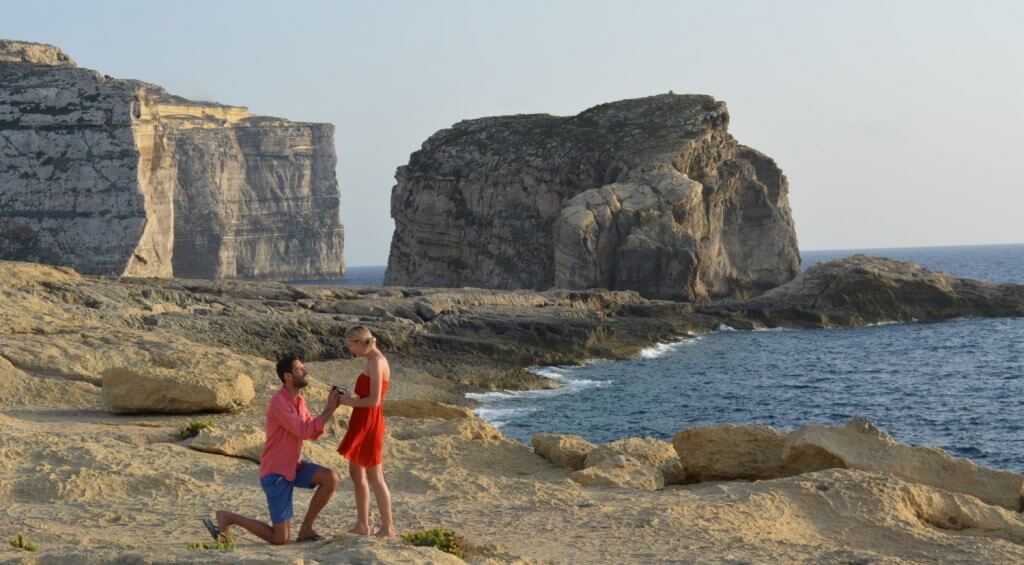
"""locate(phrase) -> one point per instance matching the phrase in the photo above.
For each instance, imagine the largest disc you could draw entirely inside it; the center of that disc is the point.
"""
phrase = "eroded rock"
(731, 451)
(650, 194)
(620, 471)
(564, 450)
(859, 446)
(119, 177)
(646, 450)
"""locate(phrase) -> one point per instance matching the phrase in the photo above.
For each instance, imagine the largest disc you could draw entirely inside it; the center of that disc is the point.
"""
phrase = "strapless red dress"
(364, 441)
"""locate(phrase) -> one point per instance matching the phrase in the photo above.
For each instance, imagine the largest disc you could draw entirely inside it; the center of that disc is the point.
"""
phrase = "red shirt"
(288, 424)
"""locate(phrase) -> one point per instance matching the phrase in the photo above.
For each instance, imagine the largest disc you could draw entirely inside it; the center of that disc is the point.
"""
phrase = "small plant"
(228, 543)
(192, 429)
(22, 543)
(441, 538)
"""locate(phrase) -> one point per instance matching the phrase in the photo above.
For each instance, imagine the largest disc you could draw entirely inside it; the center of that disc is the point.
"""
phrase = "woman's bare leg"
(375, 475)
(362, 491)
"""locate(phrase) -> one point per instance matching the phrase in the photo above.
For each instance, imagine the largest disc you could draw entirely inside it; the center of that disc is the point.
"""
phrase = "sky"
(898, 123)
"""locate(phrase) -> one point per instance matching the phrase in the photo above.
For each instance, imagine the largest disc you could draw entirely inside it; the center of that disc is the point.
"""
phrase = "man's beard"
(300, 383)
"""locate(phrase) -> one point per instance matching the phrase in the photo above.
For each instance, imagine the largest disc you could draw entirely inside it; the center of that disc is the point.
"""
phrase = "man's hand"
(332, 404)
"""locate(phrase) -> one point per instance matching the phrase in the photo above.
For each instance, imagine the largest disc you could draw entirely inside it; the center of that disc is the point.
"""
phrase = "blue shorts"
(279, 490)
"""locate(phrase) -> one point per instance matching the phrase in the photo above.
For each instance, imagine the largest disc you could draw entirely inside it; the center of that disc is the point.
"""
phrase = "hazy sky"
(898, 123)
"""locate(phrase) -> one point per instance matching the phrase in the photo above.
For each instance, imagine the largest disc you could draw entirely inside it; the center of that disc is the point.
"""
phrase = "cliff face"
(650, 194)
(119, 177)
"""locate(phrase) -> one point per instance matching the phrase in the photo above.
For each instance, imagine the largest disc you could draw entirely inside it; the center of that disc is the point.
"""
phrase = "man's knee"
(335, 479)
(280, 535)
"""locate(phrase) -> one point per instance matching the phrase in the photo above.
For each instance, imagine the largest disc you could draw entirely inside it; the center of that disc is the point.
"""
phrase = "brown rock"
(858, 445)
(564, 450)
(731, 451)
(620, 471)
(647, 450)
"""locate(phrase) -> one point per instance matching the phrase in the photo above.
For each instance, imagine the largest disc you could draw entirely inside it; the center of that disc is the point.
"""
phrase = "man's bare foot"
(307, 534)
(359, 530)
(222, 521)
(382, 533)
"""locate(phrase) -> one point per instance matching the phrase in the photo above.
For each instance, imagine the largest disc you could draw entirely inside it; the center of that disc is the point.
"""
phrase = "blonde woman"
(363, 441)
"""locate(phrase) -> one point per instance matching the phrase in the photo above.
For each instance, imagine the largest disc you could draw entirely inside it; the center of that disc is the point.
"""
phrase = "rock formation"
(863, 290)
(650, 194)
(119, 177)
(757, 452)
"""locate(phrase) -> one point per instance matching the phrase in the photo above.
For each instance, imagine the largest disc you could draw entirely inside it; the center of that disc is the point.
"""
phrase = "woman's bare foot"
(360, 530)
(382, 533)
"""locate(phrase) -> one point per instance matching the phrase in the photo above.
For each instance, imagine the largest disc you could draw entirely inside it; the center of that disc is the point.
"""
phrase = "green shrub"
(22, 543)
(227, 544)
(192, 429)
(445, 540)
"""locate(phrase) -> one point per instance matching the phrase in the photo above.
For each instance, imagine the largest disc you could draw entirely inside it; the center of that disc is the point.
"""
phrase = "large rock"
(159, 390)
(863, 290)
(731, 451)
(119, 177)
(859, 445)
(647, 450)
(650, 194)
(620, 471)
(564, 450)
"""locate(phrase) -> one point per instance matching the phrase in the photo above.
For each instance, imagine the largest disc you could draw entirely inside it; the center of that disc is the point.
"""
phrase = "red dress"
(363, 442)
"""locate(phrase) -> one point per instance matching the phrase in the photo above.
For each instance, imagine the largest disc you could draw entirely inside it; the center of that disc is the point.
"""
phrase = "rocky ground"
(97, 375)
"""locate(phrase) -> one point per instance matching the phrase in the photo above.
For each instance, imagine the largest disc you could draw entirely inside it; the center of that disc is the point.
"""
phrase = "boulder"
(147, 389)
(244, 441)
(420, 408)
(731, 451)
(859, 445)
(620, 471)
(647, 450)
(564, 450)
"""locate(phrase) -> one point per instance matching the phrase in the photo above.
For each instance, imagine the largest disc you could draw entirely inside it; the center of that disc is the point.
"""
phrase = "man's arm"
(286, 415)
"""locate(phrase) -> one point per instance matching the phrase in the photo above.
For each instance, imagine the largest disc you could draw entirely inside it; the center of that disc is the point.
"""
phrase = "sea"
(957, 384)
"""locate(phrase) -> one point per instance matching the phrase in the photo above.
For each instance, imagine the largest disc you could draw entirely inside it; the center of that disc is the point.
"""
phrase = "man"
(288, 424)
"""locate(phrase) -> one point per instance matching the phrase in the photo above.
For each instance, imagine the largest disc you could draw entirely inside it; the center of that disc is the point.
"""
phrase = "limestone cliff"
(119, 177)
(650, 194)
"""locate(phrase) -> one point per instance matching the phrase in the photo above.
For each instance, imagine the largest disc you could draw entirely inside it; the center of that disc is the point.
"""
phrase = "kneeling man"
(288, 424)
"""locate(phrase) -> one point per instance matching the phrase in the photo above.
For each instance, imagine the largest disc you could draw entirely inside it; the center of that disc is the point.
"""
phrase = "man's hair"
(285, 366)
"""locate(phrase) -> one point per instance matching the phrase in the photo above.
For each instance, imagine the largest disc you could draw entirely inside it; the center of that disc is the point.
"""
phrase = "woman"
(363, 440)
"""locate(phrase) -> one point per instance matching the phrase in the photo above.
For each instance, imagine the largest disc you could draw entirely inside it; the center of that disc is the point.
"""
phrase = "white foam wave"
(725, 328)
(501, 416)
(662, 349)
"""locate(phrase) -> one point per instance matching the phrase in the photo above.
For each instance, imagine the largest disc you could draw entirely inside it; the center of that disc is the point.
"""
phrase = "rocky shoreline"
(98, 374)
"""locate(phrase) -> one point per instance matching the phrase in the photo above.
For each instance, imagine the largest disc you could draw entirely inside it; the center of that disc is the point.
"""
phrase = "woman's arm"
(373, 370)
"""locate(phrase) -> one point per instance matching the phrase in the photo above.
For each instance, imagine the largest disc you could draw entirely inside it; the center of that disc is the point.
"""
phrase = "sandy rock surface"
(564, 450)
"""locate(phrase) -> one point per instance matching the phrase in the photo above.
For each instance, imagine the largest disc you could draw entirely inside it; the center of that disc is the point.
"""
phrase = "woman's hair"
(361, 333)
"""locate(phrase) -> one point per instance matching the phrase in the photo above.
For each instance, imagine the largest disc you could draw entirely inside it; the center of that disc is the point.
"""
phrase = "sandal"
(212, 528)
(315, 537)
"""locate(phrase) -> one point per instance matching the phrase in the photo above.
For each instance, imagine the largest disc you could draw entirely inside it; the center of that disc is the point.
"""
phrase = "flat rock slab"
(858, 445)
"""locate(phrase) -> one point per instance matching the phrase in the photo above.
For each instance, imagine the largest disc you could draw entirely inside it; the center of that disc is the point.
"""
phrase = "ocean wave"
(568, 385)
(725, 328)
(498, 417)
(662, 349)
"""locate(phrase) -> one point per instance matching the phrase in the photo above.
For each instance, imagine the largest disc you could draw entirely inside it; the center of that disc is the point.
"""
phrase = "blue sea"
(957, 384)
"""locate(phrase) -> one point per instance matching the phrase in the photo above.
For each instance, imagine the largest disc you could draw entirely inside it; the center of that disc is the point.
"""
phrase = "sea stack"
(651, 194)
(118, 177)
